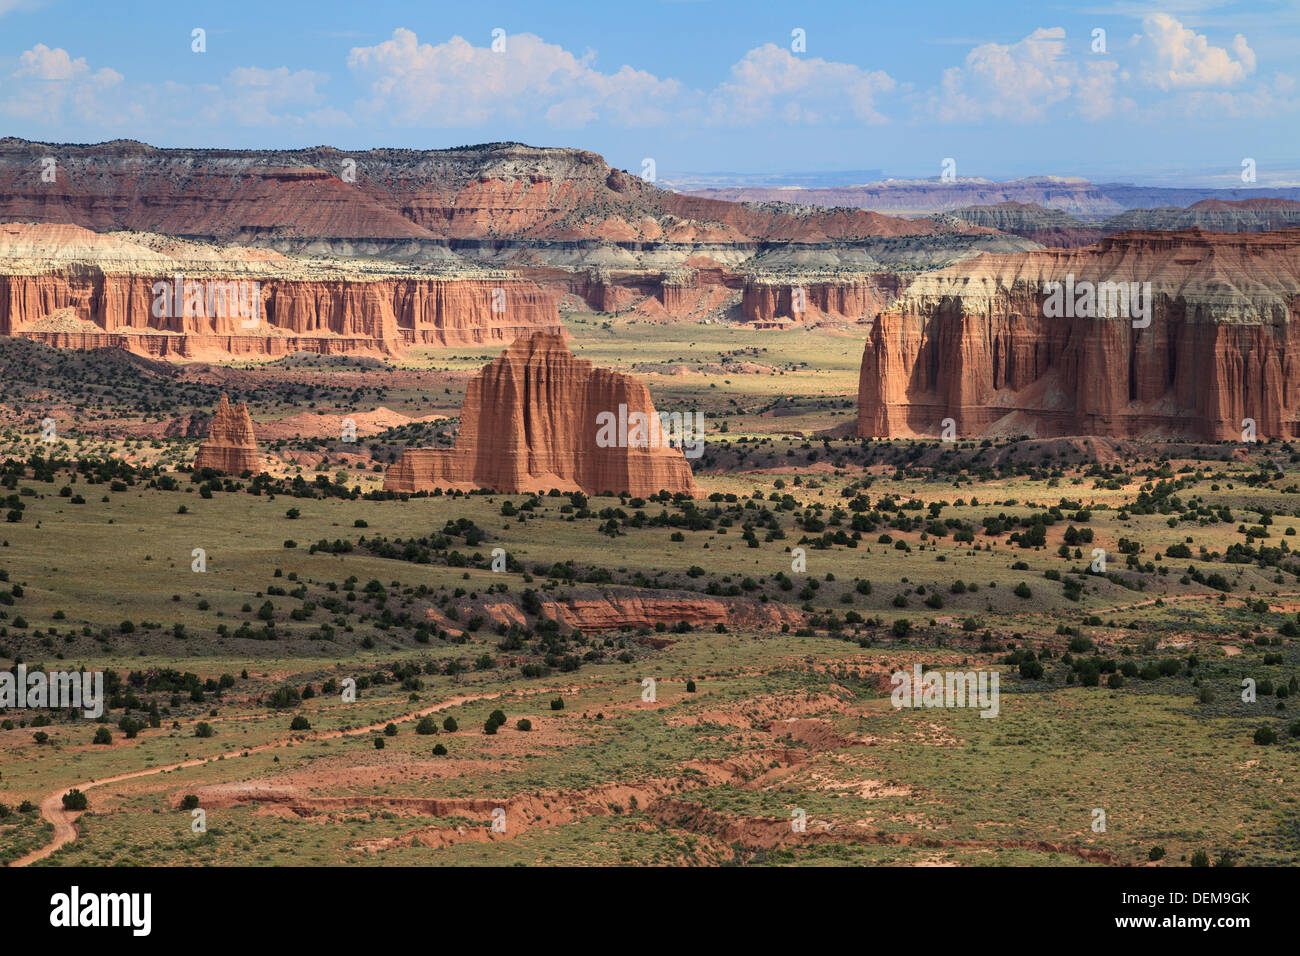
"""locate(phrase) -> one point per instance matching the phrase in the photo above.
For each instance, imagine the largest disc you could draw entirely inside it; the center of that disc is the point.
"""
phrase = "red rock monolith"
(530, 422)
(231, 446)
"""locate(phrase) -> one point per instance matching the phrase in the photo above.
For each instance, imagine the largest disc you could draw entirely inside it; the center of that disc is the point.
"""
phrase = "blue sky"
(1182, 92)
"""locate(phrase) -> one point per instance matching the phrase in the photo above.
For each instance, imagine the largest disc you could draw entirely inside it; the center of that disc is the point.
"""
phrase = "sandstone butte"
(67, 286)
(529, 424)
(231, 446)
(972, 343)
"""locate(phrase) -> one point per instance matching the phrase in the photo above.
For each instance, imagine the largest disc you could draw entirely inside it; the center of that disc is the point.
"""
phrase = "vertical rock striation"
(231, 446)
(974, 343)
(529, 423)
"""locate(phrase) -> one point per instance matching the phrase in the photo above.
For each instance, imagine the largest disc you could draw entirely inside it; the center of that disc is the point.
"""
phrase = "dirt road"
(65, 821)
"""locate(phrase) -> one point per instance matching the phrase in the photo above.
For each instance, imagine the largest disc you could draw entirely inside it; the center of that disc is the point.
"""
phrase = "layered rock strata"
(771, 301)
(66, 286)
(230, 446)
(531, 422)
(1208, 350)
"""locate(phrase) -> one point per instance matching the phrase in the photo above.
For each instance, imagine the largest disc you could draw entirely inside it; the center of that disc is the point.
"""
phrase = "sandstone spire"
(530, 422)
(231, 446)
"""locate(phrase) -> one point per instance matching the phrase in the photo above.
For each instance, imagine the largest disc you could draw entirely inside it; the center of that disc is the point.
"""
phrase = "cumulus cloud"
(1173, 69)
(1178, 58)
(53, 89)
(1166, 69)
(49, 86)
(771, 84)
(458, 84)
(1020, 82)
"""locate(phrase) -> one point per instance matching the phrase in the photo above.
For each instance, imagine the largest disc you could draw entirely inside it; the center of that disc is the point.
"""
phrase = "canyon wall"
(768, 302)
(974, 343)
(87, 308)
(66, 286)
(529, 423)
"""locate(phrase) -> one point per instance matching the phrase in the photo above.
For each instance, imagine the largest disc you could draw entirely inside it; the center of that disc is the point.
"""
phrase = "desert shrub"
(300, 723)
(1265, 736)
(523, 723)
(450, 725)
(103, 736)
(74, 799)
(190, 801)
(557, 704)
(204, 729)
(426, 726)
(439, 750)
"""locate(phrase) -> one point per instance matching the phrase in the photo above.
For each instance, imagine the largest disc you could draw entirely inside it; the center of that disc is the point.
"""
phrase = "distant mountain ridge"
(1078, 197)
(1052, 227)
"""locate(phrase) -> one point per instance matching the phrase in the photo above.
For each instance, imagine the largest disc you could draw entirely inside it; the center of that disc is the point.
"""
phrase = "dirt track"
(659, 797)
(65, 825)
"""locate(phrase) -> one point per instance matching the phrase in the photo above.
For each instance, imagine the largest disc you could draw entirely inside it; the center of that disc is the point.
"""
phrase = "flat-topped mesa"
(1197, 339)
(67, 286)
(231, 446)
(538, 418)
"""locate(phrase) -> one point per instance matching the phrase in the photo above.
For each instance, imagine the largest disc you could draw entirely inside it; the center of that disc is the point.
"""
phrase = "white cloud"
(50, 85)
(458, 84)
(769, 83)
(1178, 58)
(1170, 69)
(1020, 82)
(253, 96)
(55, 90)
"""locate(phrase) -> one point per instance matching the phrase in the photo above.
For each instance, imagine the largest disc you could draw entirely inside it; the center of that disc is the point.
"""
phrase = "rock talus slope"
(973, 343)
(529, 423)
(231, 446)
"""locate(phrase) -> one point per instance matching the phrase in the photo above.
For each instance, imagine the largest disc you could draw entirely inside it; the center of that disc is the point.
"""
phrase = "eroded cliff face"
(231, 446)
(973, 343)
(492, 191)
(66, 286)
(530, 422)
(497, 204)
(594, 610)
(769, 302)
